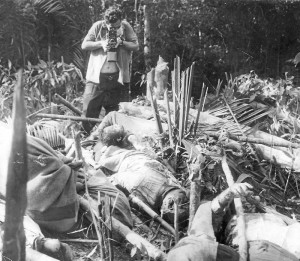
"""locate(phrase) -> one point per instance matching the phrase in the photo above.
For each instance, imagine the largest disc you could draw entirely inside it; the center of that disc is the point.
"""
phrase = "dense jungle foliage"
(220, 36)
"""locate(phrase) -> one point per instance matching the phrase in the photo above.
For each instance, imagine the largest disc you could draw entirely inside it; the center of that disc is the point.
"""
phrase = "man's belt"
(109, 76)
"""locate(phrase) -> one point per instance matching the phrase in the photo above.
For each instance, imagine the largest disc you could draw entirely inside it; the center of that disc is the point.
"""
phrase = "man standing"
(111, 42)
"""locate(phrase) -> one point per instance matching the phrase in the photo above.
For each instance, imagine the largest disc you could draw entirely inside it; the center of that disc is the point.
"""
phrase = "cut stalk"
(189, 92)
(16, 196)
(169, 119)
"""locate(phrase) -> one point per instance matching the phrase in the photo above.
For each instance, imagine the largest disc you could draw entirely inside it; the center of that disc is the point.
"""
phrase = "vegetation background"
(44, 37)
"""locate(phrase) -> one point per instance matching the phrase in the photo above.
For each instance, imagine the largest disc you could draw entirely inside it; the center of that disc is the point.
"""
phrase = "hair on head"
(113, 14)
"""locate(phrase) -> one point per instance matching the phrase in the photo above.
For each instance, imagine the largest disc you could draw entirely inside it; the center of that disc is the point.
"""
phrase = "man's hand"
(94, 45)
(236, 190)
(241, 189)
(75, 165)
(119, 42)
(80, 180)
(104, 45)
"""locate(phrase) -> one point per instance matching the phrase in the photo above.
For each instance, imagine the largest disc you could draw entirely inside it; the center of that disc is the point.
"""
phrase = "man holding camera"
(111, 42)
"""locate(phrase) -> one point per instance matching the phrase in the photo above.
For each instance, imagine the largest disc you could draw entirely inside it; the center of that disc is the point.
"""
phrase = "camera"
(111, 46)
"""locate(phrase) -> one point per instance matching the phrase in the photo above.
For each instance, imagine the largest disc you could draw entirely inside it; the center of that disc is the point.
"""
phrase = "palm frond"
(52, 7)
(244, 113)
(49, 131)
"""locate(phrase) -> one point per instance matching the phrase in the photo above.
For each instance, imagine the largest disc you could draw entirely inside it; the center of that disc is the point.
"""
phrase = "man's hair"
(113, 14)
(111, 138)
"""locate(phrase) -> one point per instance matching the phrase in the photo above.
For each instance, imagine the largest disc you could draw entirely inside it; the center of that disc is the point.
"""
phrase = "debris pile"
(166, 157)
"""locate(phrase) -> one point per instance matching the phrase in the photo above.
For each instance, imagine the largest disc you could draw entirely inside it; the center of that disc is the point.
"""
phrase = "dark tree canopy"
(220, 36)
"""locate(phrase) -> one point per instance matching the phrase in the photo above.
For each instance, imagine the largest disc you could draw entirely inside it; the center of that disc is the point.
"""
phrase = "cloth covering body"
(52, 199)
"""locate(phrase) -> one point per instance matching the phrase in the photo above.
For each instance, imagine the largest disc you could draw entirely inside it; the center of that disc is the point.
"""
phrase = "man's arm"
(131, 46)
(88, 45)
(220, 202)
(209, 214)
(135, 141)
(90, 42)
(131, 41)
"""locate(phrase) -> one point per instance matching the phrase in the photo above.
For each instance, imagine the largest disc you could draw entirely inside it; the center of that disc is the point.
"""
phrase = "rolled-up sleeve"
(92, 33)
(130, 35)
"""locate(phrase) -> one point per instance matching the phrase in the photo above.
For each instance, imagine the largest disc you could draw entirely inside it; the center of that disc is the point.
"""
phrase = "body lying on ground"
(36, 240)
(262, 237)
(52, 199)
(137, 173)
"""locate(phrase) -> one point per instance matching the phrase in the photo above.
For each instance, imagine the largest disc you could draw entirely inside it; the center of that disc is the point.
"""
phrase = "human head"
(112, 15)
(112, 135)
(167, 207)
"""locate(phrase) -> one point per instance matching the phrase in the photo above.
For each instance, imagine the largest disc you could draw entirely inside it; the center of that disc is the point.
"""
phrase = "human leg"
(132, 124)
(37, 241)
(92, 104)
(100, 183)
(125, 93)
(113, 91)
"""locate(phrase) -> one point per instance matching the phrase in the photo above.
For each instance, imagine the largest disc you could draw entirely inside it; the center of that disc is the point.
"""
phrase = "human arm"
(220, 202)
(135, 141)
(130, 40)
(91, 41)
(88, 45)
(131, 46)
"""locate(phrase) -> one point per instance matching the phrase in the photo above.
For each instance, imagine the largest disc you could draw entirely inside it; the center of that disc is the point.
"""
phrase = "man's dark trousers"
(107, 94)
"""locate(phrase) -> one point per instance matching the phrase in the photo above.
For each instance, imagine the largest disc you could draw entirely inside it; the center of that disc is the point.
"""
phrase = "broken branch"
(151, 213)
(65, 117)
(61, 100)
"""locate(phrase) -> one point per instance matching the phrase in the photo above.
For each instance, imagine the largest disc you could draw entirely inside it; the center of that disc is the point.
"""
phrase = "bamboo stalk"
(241, 224)
(200, 109)
(151, 213)
(154, 108)
(189, 93)
(78, 240)
(78, 150)
(132, 237)
(16, 197)
(108, 228)
(182, 107)
(66, 117)
(78, 153)
(102, 228)
(169, 118)
(175, 88)
(176, 221)
(194, 200)
(61, 100)
(174, 94)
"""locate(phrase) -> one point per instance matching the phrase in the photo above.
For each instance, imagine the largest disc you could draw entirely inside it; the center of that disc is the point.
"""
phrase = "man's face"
(168, 205)
(115, 25)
